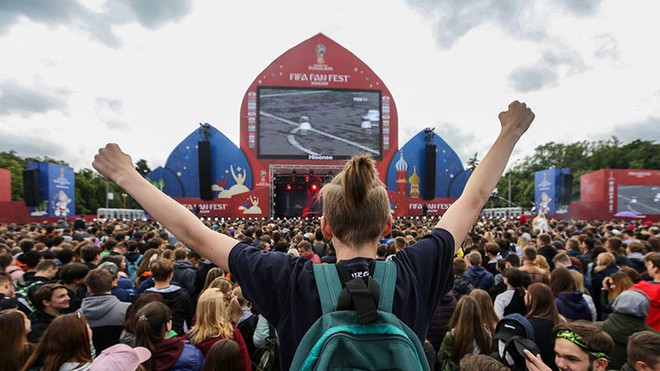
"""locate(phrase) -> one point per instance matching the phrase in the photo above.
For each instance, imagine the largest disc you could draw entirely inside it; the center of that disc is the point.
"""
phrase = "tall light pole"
(509, 176)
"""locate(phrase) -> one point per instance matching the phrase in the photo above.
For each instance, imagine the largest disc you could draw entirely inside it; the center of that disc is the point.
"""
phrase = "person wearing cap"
(629, 312)
(104, 312)
(120, 357)
(579, 346)
(510, 326)
(119, 292)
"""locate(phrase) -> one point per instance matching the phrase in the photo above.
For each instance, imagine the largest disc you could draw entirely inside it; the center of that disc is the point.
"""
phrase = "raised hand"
(117, 166)
(112, 163)
(535, 363)
(517, 118)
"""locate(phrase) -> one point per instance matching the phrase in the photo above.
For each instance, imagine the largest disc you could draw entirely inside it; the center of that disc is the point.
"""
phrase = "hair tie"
(143, 318)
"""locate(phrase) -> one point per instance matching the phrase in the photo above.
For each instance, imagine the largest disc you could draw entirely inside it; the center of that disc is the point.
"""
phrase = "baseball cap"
(110, 267)
(120, 357)
(513, 325)
(514, 355)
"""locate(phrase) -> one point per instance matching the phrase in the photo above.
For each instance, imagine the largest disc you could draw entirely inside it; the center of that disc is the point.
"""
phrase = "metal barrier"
(503, 212)
(121, 214)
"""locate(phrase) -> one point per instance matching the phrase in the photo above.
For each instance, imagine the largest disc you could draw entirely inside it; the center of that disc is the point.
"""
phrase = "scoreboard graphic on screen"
(318, 123)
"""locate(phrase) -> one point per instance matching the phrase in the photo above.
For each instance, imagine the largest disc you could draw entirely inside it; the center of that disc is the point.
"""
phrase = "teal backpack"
(357, 330)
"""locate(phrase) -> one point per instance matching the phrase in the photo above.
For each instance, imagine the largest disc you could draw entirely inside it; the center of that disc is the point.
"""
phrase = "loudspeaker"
(565, 188)
(31, 187)
(429, 171)
(204, 160)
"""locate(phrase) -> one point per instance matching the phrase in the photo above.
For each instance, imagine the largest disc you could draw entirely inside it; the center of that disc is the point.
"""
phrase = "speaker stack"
(31, 187)
(430, 151)
(204, 160)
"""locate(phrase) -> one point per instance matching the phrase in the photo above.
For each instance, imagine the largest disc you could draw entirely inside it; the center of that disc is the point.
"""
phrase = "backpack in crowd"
(132, 267)
(267, 356)
(358, 330)
(24, 294)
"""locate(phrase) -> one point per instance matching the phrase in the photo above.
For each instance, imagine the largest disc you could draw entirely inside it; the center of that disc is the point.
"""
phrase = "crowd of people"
(405, 293)
(72, 292)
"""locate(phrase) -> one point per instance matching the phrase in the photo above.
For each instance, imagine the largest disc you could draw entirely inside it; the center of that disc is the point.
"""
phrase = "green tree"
(580, 157)
(142, 167)
(473, 162)
(15, 164)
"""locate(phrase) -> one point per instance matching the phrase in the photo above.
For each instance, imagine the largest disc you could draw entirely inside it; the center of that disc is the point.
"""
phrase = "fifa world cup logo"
(320, 52)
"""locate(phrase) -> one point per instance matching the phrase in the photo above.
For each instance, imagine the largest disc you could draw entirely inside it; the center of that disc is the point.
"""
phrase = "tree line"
(90, 186)
(580, 157)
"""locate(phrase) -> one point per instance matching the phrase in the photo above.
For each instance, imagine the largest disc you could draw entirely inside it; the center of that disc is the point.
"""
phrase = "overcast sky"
(75, 75)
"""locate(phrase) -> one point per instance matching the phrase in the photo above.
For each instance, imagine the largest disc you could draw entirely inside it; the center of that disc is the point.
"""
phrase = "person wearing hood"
(478, 276)
(104, 312)
(570, 302)
(151, 329)
(629, 312)
(652, 288)
(176, 298)
(184, 272)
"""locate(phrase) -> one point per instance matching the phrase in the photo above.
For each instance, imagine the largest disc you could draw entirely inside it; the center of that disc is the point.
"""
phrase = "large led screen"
(639, 199)
(318, 124)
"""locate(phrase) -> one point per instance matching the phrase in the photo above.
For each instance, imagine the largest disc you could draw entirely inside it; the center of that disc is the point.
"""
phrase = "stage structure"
(552, 191)
(306, 113)
(606, 192)
(49, 190)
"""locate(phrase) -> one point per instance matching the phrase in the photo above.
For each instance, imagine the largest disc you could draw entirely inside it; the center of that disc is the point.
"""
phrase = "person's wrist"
(510, 133)
(125, 177)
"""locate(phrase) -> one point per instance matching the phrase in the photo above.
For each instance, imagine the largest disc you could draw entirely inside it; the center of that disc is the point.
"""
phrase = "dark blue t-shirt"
(282, 287)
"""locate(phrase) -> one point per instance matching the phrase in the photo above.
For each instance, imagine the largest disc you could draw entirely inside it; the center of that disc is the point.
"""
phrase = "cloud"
(526, 79)
(26, 101)
(27, 145)
(453, 19)
(153, 13)
(608, 48)
(111, 112)
(580, 8)
(99, 25)
(553, 63)
(647, 129)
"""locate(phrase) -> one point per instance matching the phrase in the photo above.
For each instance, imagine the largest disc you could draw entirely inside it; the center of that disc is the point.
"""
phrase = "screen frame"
(306, 157)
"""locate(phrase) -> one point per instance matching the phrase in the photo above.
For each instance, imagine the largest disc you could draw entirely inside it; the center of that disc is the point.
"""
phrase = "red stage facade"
(606, 192)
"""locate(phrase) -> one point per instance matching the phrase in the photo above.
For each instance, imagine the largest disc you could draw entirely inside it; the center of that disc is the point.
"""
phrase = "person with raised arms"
(355, 216)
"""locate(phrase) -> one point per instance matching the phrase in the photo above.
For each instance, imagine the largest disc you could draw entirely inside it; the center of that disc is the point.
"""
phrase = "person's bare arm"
(460, 216)
(117, 166)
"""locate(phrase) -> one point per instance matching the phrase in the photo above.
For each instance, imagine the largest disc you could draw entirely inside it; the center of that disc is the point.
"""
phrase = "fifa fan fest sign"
(301, 118)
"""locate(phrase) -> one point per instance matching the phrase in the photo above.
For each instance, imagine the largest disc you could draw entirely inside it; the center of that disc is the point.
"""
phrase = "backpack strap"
(385, 275)
(328, 286)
